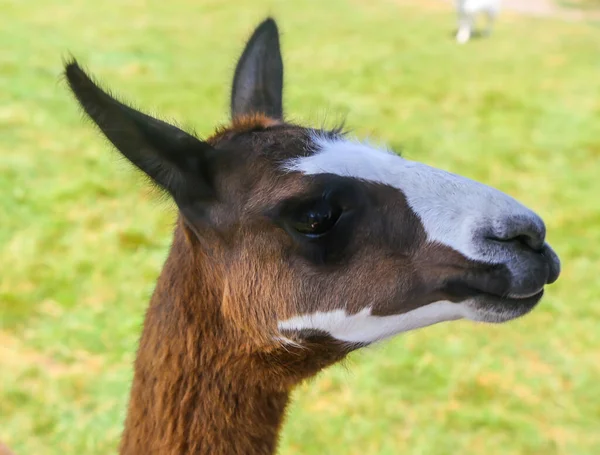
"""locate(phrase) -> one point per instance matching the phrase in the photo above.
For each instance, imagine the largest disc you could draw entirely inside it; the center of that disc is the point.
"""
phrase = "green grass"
(82, 239)
(593, 5)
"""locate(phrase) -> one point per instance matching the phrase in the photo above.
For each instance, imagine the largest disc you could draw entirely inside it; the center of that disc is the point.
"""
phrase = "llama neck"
(192, 392)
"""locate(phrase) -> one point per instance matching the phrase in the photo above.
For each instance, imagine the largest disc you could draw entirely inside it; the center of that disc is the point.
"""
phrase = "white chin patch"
(364, 327)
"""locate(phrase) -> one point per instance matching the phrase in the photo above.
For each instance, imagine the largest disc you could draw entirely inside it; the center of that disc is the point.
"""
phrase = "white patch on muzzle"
(452, 209)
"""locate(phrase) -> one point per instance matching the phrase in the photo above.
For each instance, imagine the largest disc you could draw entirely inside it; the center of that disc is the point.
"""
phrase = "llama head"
(318, 238)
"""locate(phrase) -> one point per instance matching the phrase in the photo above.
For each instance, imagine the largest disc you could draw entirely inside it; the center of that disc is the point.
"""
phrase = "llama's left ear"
(258, 80)
(175, 160)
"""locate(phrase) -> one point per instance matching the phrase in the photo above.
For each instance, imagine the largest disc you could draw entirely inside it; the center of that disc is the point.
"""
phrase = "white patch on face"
(363, 327)
(452, 209)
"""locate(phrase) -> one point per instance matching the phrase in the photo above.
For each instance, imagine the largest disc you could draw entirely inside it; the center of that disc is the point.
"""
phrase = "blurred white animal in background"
(467, 13)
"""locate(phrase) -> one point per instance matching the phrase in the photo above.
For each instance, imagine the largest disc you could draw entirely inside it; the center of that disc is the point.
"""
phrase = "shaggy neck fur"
(195, 390)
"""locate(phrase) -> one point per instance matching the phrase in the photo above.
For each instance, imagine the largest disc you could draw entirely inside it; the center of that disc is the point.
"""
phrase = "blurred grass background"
(82, 239)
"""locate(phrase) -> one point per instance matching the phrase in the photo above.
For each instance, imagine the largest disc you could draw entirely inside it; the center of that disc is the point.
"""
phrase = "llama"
(467, 14)
(293, 247)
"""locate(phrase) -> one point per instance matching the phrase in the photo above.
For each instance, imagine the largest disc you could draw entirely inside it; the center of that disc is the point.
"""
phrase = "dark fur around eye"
(321, 221)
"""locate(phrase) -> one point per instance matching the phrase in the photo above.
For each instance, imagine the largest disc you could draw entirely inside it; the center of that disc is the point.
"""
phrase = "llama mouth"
(523, 296)
(491, 308)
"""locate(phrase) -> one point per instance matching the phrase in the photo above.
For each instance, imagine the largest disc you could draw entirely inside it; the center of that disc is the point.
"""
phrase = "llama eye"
(317, 220)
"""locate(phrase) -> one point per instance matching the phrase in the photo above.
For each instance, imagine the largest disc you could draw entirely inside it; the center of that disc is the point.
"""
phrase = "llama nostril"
(529, 232)
(529, 241)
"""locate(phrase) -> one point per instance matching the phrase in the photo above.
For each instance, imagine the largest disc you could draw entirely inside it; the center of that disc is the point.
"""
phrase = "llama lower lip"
(524, 296)
(495, 309)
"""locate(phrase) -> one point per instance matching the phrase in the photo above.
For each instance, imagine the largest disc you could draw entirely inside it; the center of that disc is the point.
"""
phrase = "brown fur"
(243, 124)
(202, 385)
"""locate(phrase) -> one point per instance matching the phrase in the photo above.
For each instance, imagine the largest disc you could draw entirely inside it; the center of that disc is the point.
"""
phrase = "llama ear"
(258, 79)
(173, 159)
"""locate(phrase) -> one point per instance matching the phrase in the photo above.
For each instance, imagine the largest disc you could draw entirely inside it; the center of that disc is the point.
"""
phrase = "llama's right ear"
(172, 158)
(258, 80)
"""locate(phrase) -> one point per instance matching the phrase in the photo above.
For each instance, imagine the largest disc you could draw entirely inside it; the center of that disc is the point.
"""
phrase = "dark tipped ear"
(172, 158)
(258, 80)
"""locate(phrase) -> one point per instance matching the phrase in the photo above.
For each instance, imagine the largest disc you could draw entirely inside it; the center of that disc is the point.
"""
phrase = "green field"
(82, 238)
